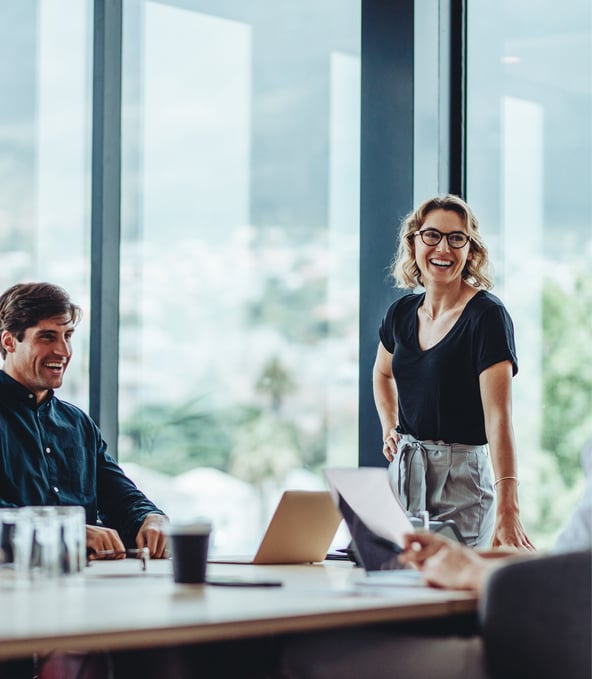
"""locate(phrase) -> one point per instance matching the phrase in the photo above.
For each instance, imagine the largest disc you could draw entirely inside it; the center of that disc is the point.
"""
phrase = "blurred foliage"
(567, 374)
(553, 488)
(276, 382)
(291, 310)
(266, 448)
(261, 448)
(173, 438)
(268, 443)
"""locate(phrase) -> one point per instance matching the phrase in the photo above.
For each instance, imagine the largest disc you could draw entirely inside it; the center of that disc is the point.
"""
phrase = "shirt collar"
(15, 391)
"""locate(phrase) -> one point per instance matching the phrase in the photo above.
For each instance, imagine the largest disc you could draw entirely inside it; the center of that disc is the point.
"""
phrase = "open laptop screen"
(375, 516)
(373, 552)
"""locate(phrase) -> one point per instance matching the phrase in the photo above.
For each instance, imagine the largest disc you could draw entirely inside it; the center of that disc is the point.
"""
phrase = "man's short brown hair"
(25, 304)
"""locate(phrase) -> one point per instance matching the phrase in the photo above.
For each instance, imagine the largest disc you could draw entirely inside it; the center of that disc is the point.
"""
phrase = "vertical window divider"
(453, 89)
(105, 218)
(386, 183)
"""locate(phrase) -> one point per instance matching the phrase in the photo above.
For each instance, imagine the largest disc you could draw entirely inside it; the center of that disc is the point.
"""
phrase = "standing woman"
(442, 379)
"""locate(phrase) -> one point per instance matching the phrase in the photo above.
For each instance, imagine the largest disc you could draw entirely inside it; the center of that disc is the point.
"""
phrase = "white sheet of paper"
(368, 491)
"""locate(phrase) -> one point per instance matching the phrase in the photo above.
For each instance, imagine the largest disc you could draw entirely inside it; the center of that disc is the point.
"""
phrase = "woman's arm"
(385, 399)
(496, 396)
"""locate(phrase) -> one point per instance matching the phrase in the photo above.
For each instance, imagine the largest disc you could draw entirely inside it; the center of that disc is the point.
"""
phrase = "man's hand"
(152, 534)
(101, 539)
(445, 563)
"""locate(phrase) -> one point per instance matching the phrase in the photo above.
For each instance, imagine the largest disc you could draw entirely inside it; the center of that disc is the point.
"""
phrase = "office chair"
(536, 618)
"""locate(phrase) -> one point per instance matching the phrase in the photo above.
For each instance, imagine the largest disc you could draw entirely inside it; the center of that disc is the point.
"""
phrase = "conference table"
(116, 605)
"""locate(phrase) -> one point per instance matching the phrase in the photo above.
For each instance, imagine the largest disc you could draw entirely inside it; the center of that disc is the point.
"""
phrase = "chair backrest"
(536, 618)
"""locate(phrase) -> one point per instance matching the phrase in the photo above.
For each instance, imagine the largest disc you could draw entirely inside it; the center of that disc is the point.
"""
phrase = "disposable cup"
(189, 548)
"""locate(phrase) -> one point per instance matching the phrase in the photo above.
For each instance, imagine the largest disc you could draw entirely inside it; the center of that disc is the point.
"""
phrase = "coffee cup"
(189, 549)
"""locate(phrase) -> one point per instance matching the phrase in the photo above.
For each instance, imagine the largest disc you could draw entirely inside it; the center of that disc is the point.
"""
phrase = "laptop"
(300, 531)
(377, 522)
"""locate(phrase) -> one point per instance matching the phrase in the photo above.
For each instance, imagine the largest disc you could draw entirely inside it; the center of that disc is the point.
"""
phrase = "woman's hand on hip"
(390, 442)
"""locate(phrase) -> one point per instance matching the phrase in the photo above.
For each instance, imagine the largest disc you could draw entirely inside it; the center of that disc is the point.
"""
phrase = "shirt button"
(48, 450)
(56, 490)
(29, 396)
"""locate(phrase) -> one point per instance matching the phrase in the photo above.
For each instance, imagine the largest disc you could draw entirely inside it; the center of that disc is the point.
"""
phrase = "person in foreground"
(534, 618)
(442, 379)
(51, 452)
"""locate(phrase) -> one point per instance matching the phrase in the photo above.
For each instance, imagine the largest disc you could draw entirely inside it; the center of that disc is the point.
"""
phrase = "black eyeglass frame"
(421, 232)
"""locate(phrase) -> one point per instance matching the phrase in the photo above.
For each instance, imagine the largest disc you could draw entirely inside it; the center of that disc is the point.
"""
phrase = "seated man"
(51, 452)
(535, 616)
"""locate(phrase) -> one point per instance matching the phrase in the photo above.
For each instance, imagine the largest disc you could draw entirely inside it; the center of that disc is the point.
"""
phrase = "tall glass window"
(239, 260)
(45, 140)
(530, 182)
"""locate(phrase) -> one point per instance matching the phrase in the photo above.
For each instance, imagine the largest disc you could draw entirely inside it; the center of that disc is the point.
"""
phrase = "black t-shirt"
(438, 389)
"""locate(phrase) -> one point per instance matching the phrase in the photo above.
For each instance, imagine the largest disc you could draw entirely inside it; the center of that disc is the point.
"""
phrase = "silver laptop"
(300, 531)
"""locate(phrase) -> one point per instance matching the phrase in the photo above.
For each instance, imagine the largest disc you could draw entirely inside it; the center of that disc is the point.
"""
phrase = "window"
(240, 220)
(239, 256)
(529, 171)
(45, 112)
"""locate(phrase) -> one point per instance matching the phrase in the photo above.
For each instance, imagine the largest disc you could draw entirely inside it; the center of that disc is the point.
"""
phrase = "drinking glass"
(72, 546)
(7, 528)
(45, 543)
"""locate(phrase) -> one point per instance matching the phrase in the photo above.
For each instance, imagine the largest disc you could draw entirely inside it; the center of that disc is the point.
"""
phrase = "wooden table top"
(114, 605)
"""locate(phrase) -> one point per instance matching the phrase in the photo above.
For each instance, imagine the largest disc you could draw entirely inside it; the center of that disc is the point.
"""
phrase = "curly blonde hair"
(404, 269)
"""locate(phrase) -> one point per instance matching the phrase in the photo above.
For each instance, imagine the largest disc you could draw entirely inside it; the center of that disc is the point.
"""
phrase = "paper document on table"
(368, 491)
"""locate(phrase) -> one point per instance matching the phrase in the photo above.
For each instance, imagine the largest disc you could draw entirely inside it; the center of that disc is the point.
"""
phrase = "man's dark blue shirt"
(52, 453)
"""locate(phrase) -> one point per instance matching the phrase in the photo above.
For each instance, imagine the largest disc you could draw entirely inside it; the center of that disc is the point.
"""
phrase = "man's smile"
(56, 366)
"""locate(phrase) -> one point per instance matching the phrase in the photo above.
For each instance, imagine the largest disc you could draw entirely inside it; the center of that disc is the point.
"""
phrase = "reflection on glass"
(530, 180)
(239, 264)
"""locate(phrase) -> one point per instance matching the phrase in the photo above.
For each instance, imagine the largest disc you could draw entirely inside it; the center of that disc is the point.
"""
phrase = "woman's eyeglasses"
(456, 239)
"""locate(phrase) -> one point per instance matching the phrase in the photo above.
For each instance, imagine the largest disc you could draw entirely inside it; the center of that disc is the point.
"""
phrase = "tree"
(275, 380)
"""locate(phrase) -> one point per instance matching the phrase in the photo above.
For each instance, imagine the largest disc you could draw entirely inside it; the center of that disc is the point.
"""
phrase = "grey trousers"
(450, 481)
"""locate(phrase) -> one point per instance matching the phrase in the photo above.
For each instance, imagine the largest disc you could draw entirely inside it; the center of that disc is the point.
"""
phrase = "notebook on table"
(301, 530)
